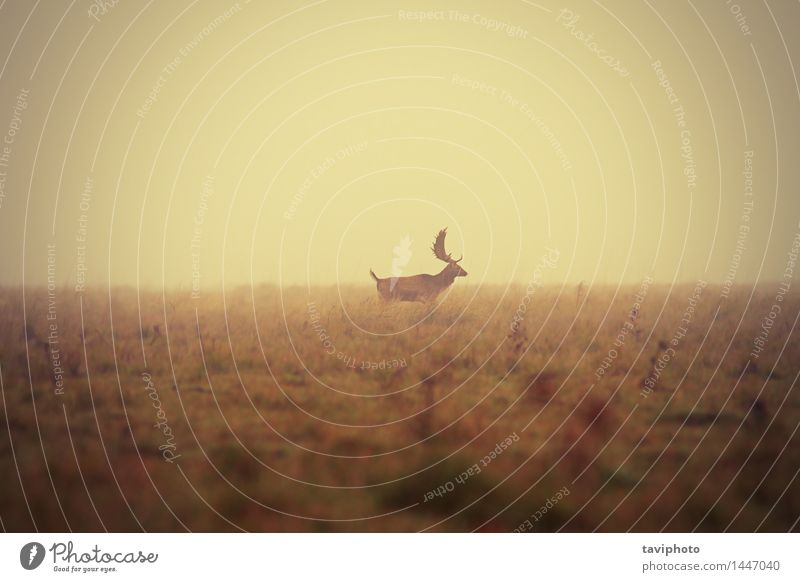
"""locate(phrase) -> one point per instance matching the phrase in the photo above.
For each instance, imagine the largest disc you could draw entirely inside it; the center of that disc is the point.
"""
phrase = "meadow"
(324, 409)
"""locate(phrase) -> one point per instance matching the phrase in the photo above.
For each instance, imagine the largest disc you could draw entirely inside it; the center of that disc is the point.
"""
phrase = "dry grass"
(276, 434)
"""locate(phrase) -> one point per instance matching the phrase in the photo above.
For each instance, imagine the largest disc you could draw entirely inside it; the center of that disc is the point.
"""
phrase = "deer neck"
(446, 277)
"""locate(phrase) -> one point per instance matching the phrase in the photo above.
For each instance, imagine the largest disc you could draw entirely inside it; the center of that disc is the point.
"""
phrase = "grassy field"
(497, 409)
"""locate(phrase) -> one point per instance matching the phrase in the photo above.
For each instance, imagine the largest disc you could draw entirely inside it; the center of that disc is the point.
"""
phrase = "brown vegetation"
(289, 410)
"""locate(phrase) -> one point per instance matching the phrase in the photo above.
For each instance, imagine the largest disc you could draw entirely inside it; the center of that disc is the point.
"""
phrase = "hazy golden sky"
(193, 143)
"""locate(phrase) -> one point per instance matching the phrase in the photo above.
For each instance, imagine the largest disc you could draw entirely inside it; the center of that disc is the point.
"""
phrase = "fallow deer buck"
(422, 287)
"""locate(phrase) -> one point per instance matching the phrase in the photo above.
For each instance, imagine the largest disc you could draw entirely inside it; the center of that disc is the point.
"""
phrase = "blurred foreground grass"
(326, 410)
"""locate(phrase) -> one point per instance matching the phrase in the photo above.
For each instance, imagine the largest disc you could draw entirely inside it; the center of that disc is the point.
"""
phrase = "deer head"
(453, 268)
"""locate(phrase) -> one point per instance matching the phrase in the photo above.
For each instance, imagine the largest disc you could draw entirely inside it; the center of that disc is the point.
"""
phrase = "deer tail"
(373, 275)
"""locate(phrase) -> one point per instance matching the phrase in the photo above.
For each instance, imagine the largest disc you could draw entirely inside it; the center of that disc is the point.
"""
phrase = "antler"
(438, 247)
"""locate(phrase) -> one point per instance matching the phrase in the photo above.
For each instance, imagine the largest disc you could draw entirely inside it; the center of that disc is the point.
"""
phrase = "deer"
(422, 287)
